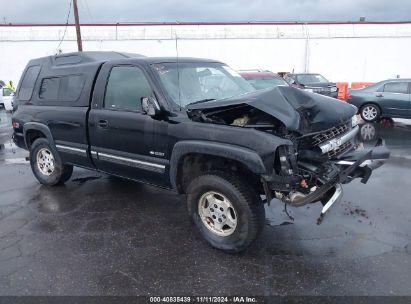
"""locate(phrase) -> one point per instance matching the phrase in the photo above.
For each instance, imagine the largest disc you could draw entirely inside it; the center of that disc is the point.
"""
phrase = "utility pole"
(77, 21)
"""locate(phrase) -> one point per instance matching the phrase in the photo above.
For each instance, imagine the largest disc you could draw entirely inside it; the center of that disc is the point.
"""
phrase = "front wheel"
(370, 112)
(228, 213)
(46, 164)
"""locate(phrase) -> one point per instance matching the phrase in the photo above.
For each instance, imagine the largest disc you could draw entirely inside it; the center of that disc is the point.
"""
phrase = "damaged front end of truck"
(323, 153)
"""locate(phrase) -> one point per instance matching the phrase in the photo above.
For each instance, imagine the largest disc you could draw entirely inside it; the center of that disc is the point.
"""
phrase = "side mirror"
(150, 106)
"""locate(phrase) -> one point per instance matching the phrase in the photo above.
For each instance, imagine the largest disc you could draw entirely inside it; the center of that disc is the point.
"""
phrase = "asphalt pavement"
(99, 235)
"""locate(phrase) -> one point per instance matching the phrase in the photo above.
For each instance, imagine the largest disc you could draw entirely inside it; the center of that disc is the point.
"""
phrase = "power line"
(88, 11)
(65, 29)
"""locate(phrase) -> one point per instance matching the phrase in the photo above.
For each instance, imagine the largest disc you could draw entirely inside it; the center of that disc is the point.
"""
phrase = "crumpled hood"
(298, 110)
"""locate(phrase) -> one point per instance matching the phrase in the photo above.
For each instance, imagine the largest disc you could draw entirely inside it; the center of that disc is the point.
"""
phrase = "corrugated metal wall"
(341, 52)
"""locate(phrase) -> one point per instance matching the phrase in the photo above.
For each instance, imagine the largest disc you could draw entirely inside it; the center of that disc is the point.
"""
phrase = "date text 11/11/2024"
(204, 299)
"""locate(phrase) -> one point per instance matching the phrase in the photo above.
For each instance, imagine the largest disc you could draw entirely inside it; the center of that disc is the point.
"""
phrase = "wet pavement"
(99, 235)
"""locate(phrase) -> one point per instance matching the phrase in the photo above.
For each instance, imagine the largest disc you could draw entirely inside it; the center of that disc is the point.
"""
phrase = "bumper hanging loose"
(354, 164)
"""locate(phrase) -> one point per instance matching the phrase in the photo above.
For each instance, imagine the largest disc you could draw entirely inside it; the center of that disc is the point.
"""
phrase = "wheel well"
(32, 135)
(195, 164)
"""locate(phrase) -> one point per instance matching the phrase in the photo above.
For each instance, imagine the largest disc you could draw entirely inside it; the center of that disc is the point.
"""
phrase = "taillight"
(15, 125)
(349, 96)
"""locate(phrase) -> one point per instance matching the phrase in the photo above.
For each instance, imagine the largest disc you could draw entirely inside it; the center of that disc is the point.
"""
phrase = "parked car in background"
(388, 98)
(312, 82)
(6, 130)
(263, 79)
(6, 98)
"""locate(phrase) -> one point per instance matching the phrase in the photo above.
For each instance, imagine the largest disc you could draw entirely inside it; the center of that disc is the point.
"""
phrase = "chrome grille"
(332, 142)
(341, 149)
(330, 134)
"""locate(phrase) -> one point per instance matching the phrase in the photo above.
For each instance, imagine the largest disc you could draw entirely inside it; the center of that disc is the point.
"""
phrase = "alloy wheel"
(369, 113)
(45, 161)
(217, 213)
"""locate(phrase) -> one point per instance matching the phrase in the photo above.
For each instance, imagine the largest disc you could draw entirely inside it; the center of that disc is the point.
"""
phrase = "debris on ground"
(355, 210)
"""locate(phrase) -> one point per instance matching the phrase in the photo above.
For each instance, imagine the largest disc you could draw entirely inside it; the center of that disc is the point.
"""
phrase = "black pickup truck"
(192, 125)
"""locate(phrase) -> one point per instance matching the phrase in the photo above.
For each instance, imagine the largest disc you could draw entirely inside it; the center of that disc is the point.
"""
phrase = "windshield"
(197, 81)
(260, 83)
(311, 78)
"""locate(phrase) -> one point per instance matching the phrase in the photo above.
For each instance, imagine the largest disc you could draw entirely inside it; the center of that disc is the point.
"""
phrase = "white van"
(6, 98)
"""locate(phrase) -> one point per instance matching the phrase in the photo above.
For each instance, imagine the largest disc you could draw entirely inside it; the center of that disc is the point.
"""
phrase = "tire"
(247, 211)
(370, 112)
(46, 164)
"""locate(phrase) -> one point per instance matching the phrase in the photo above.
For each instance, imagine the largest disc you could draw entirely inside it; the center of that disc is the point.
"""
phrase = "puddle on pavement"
(82, 180)
(45, 226)
(277, 215)
(53, 202)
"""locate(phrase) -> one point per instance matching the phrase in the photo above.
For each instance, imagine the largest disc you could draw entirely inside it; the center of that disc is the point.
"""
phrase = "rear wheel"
(46, 164)
(228, 213)
(370, 112)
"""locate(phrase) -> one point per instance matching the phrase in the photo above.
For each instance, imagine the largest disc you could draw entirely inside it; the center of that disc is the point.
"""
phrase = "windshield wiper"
(200, 101)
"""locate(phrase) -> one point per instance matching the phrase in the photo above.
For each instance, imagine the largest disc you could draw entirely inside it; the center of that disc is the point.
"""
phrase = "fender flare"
(38, 127)
(245, 156)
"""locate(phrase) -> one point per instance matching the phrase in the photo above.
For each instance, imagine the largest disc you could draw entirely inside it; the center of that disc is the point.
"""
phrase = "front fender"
(245, 156)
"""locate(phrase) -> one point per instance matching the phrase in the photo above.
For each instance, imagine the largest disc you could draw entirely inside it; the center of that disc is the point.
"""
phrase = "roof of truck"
(83, 57)
(79, 58)
(176, 59)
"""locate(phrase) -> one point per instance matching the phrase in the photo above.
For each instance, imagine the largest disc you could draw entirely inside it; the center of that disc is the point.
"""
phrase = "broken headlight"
(286, 162)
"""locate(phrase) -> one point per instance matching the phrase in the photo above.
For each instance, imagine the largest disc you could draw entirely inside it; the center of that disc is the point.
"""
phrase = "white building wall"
(341, 52)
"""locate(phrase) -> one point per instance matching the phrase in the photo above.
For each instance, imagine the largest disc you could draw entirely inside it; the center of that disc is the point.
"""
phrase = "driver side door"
(124, 140)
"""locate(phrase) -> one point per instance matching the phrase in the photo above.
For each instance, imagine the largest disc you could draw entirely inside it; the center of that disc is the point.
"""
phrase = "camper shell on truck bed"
(192, 125)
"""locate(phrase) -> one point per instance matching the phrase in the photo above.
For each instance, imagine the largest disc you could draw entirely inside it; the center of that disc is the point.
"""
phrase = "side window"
(28, 82)
(125, 88)
(64, 88)
(396, 87)
(49, 88)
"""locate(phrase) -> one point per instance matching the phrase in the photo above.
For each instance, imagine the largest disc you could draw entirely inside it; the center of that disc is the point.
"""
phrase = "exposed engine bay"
(241, 116)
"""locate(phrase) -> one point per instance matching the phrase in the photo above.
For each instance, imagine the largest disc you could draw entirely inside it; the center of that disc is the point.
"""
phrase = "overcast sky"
(94, 11)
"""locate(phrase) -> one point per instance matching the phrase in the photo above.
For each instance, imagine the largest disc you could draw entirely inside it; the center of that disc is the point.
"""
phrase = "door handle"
(103, 124)
(379, 95)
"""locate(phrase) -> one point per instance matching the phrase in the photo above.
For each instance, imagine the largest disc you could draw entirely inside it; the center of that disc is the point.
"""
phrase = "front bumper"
(335, 197)
(365, 160)
(342, 174)
(354, 164)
